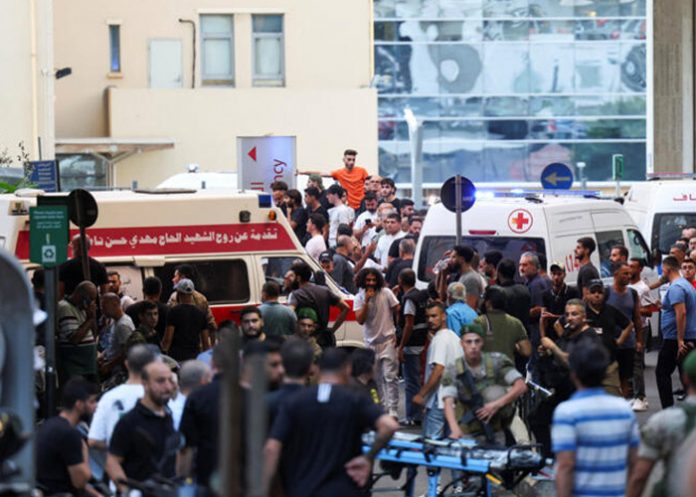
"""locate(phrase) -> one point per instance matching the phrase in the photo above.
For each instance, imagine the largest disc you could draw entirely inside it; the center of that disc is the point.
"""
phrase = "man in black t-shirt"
(587, 272)
(404, 261)
(316, 297)
(70, 272)
(62, 463)
(325, 459)
(152, 291)
(187, 328)
(144, 442)
(297, 214)
(555, 298)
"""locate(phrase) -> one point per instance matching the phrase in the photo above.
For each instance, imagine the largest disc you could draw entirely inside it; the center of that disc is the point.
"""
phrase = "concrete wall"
(206, 122)
(673, 85)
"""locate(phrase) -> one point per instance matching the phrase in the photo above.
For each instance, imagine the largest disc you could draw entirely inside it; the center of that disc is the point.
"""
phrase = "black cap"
(596, 283)
(325, 257)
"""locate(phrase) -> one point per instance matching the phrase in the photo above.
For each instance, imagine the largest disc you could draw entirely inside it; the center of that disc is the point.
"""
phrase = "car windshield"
(667, 229)
(434, 247)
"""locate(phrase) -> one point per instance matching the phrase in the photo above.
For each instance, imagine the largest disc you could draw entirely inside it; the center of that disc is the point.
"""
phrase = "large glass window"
(217, 50)
(268, 50)
(221, 281)
(605, 241)
(512, 86)
(667, 229)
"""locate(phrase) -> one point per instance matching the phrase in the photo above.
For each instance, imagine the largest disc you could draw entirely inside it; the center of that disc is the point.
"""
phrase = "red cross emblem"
(520, 221)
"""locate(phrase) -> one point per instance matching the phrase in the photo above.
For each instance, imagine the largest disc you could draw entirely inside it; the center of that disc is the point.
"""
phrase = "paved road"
(541, 489)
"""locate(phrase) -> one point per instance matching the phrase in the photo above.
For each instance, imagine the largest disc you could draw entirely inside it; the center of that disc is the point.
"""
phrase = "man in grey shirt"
(460, 263)
(278, 319)
(343, 268)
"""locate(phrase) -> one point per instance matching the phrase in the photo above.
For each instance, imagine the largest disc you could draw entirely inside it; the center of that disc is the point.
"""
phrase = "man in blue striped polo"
(595, 435)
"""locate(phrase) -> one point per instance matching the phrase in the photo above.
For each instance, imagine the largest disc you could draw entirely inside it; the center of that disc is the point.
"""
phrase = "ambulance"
(662, 209)
(235, 240)
(531, 222)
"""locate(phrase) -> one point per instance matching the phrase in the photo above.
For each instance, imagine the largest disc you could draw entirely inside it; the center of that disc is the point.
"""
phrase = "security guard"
(479, 391)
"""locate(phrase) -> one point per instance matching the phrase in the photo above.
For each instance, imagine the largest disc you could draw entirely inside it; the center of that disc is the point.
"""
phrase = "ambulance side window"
(221, 281)
(605, 241)
(637, 246)
(274, 268)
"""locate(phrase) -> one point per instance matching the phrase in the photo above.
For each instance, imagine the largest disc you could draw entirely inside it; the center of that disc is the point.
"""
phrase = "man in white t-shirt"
(315, 227)
(648, 304)
(118, 401)
(376, 308)
(443, 350)
(364, 226)
(340, 213)
(392, 231)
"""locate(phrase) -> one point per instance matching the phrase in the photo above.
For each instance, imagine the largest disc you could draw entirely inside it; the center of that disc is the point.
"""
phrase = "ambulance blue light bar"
(667, 175)
(519, 193)
(265, 200)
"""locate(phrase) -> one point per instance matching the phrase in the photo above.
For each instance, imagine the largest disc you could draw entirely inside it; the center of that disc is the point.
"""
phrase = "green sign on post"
(617, 166)
(48, 235)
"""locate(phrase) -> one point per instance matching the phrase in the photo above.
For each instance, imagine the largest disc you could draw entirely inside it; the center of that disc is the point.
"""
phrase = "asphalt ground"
(529, 487)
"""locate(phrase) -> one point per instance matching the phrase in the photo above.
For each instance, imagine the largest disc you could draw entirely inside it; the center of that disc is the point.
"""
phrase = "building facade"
(162, 84)
(505, 87)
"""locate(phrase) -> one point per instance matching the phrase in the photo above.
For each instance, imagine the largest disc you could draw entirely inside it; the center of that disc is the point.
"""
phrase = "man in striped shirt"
(77, 348)
(595, 435)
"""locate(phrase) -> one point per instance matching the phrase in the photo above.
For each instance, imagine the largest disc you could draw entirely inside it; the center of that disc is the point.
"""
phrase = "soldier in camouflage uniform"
(479, 391)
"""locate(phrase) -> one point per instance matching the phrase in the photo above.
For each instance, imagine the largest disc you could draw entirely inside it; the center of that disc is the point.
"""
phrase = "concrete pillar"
(673, 85)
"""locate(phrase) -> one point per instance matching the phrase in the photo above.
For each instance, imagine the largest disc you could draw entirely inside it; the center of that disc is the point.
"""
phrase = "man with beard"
(252, 325)
(587, 272)
(365, 222)
(62, 463)
(459, 264)
(144, 442)
(376, 308)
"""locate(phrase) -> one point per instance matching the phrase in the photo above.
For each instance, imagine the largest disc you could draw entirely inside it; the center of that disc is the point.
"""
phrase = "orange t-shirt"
(353, 182)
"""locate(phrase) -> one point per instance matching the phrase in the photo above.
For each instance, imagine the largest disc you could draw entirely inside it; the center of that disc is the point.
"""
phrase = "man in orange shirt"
(351, 178)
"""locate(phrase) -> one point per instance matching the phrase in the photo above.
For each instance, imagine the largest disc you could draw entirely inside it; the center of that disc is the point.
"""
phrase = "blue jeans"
(434, 425)
(411, 370)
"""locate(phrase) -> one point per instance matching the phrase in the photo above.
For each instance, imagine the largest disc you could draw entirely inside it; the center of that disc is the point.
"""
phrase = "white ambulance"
(534, 222)
(235, 241)
(662, 209)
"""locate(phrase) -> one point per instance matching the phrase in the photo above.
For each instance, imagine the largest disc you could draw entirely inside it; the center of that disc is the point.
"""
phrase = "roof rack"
(666, 175)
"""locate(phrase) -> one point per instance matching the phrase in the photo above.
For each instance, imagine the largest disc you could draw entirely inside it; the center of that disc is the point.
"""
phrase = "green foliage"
(21, 159)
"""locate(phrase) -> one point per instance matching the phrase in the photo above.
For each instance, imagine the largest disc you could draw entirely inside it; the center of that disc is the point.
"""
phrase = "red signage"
(520, 221)
(170, 240)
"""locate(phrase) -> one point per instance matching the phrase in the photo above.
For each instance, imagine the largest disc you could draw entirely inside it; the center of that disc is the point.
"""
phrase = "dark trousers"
(667, 362)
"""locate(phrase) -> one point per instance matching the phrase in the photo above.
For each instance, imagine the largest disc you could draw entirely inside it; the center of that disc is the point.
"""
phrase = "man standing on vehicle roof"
(587, 272)
(351, 178)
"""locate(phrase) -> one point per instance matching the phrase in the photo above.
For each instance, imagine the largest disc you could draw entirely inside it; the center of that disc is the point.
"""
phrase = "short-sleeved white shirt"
(360, 223)
(383, 245)
(379, 324)
(339, 215)
(444, 349)
(113, 404)
(315, 246)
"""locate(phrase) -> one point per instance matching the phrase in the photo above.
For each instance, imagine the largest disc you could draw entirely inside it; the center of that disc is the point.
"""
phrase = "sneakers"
(407, 422)
(640, 405)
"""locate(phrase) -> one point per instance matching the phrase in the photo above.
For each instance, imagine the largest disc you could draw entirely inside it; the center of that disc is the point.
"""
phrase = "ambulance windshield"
(667, 229)
(434, 247)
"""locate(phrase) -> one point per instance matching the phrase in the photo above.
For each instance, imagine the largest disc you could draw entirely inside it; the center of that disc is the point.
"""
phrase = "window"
(434, 248)
(268, 50)
(667, 229)
(605, 241)
(274, 269)
(637, 247)
(115, 48)
(221, 281)
(217, 50)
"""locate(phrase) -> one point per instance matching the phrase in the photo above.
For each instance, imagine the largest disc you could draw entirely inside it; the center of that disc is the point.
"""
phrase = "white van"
(235, 240)
(661, 209)
(536, 223)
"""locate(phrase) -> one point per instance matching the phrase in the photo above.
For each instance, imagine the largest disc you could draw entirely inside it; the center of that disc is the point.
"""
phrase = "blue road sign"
(448, 197)
(557, 176)
(44, 174)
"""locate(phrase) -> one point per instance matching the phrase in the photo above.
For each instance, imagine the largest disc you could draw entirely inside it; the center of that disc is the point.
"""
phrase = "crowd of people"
(140, 381)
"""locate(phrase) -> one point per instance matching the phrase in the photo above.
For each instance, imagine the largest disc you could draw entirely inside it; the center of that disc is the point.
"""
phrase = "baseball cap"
(184, 286)
(325, 256)
(557, 266)
(689, 367)
(596, 283)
